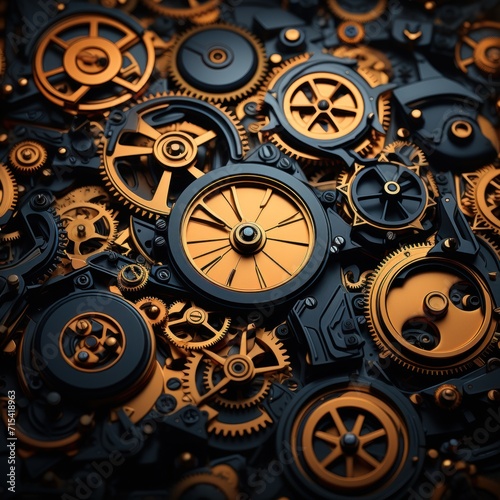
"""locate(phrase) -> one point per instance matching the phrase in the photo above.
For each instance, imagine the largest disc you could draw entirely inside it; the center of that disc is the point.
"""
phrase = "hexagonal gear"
(132, 277)
(163, 144)
(405, 153)
(154, 309)
(447, 326)
(250, 354)
(193, 328)
(361, 11)
(91, 228)
(230, 61)
(482, 194)
(8, 193)
(180, 9)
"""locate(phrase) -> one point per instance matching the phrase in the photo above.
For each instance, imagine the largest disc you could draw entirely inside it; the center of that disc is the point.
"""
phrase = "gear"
(166, 142)
(482, 193)
(236, 379)
(361, 11)
(404, 153)
(219, 62)
(27, 157)
(91, 228)
(132, 278)
(8, 194)
(91, 62)
(184, 9)
(193, 328)
(7, 238)
(85, 194)
(447, 326)
(360, 284)
(326, 178)
(154, 309)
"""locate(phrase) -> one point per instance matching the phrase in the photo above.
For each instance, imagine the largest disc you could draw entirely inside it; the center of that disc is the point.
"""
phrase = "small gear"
(183, 9)
(449, 324)
(91, 228)
(219, 62)
(360, 284)
(193, 328)
(27, 157)
(405, 153)
(7, 238)
(132, 278)
(154, 309)
(361, 11)
(482, 194)
(8, 193)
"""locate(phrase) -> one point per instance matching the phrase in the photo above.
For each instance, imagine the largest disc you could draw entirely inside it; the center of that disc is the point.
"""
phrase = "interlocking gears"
(154, 309)
(447, 326)
(193, 328)
(405, 153)
(235, 380)
(351, 439)
(246, 233)
(8, 194)
(219, 62)
(162, 145)
(91, 62)
(319, 107)
(91, 228)
(132, 278)
(26, 157)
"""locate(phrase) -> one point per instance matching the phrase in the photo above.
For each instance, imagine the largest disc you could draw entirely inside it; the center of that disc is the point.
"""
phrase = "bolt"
(250, 109)
(329, 196)
(82, 281)
(190, 416)
(449, 244)
(285, 164)
(282, 331)
(160, 241)
(390, 236)
(13, 281)
(347, 325)
(166, 403)
(352, 340)
(268, 153)
(359, 303)
(39, 201)
(82, 326)
(255, 317)
(310, 302)
(361, 320)
(112, 256)
(81, 230)
(117, 117)
(83, 356)
(173, 384)
(339, 241)
(163, 274)
(161, 225)
(334, 249)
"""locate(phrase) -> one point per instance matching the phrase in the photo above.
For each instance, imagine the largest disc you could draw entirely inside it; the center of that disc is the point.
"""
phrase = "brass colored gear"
(446, 327)
(193, 328)
(230, 60)
(85, 194)
(92, 62)
(154, 309)
(350, 32)
(27, 157)
(326, 178)
(177, 153)
(132, 278)
(237, 381)
(8, 191)
(359, 11)
(182, 9)
(483, 194)
(360, 284)
(7, 238)
(403, 152)
(91, 228)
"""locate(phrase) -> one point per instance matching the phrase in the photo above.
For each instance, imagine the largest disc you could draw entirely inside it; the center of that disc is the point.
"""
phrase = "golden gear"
(85, 194)
(446, 327)
(350, 32)
(91, 228)
(217, 57)
(93, 73)
(7, 238)
(132, 278)
(8, 190)
(27, 156)
(398, 151)
(328, 177)
(154, 309)
(482, 194)
(480, 46)
(253, 354)
(173, 147)
(183, 9)
(193, 328)
(340, 8)
(222, 478)
(363, 440)
(360, 284)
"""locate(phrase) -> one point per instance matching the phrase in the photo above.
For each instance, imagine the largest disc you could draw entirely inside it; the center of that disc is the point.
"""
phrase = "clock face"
(250, 249)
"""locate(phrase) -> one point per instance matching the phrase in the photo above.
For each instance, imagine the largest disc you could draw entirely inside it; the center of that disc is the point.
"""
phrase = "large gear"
(82, 66)
(449, 324)
(219, 62)
(183, 9)
(8, 194)
(166, 142)
(91, 228)
(193, 328)
(236, 379)
(26, 157)
(361, 11)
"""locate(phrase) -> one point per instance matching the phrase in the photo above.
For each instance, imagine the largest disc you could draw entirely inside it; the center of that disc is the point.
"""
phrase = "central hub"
(392, 188)
(247, 237)
(239, 368)
(349, 443)
(436, 304)
(323, 105)
(196, 316)
(175, 150)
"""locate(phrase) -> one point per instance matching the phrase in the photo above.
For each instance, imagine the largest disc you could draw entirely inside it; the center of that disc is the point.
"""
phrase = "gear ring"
(195, 9)
(27, 157)
(446, 296)
(341, 9)
(8, 193)
(232, 62)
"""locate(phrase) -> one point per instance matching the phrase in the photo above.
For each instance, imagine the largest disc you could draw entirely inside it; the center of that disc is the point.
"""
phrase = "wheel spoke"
(203, 138)
(124, 83)
(161, 194)
(327, 437)
(94, 27)
(358, 424)
(124, 150)
(369, 459)
(338, 421)
(195, 171)
(53, 72)
(368, 438)
(78, 94)
(331, 457)
(59, 41)
(127, 41)
(349, 466)
(146, 129)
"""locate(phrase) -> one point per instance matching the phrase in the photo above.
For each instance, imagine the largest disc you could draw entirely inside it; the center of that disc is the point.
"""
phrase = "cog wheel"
(165, 143)
(482, 193)
(183, 9)
(220, 62)
(7, 238)
(361, 11)
(359, 284)
(193, 328)
(92, 62)
(154, 309)
(236, 379)
(326, 178)
(8, 194)
(85, 194)
(404, 153)
(477, 53)
(449, 324)
(357, 439)
(132, 278)
(26, 157)
(91, 228)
